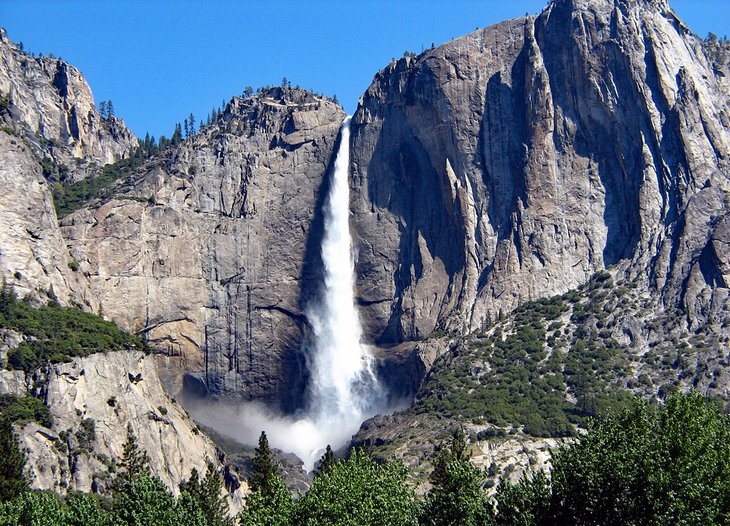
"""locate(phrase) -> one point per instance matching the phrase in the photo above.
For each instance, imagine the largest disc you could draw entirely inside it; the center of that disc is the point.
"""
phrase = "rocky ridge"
(49, 104)
(95, 401)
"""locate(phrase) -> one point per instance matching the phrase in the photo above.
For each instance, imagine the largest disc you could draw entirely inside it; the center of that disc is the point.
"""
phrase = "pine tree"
(12, 462)
(191, 122)
(102, 109)
(264, 467)
(109, 109)
(176, 135)
(134, 461)
(456, 452)
(326, 462)
(208, 496)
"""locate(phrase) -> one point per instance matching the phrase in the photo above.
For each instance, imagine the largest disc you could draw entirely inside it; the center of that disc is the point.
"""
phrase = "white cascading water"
(342, 384)
(343, 390)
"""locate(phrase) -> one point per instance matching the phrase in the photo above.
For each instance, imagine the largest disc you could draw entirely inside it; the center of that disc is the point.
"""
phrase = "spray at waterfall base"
(343, 388)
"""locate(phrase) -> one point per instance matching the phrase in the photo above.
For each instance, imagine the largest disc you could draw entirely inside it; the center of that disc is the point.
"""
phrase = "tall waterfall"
(342, 385)
(343, 389)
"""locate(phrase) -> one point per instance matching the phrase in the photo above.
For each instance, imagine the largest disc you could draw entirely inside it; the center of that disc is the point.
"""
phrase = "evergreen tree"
(134, 461)
(102, 110)
(191, 122)
(359, 491)
(457, 497)
(186, 128)
(265, 467)
(109, 109)
(455, 452)
(642, 466)
(326, 462)
(208, 495)
(176, 135)
(271, 509)
(12, 462)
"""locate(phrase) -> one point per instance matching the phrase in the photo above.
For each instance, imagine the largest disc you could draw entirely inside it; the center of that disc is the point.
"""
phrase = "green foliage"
(144, 500)
(526, 503)
(14, 408)
(134, 461)
(208, 496)
(455, 453)
(325, 463)
(640, 467)
(4, 102)
(271, 508)
(70, 196)
(12, 461)
(56, 334)
(359, 491)
(457, 497)
(265, 467)
(33, 508)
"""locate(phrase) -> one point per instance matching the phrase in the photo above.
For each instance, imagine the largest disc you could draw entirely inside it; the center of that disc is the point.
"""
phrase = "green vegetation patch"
(528, 368)
(69, 197)
(14, 408)
(57, 334)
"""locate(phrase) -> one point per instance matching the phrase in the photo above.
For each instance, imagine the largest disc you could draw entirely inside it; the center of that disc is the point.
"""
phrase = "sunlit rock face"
(514, 162)
(52, 106)
(213, 250)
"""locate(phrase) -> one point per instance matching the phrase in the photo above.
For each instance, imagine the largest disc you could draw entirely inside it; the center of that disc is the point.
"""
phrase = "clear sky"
(160, 60)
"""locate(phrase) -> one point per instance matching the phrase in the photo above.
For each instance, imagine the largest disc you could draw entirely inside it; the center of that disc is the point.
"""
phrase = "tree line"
(644, 466)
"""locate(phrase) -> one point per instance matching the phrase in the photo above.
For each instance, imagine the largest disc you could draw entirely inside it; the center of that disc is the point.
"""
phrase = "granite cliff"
(514, 162)
(211, 250)
(505, 166)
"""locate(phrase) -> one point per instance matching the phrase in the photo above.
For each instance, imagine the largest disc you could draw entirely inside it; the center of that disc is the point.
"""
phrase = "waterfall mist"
(343, 390)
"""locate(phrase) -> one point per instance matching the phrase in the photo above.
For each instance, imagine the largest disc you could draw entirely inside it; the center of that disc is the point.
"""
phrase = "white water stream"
(343, 390)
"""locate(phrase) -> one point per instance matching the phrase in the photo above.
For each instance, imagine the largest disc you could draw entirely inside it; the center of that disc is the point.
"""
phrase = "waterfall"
(343, 390)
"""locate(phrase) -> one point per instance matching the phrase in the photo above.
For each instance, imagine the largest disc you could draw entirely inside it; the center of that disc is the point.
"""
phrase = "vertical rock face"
(52, 105)
(33, 253)
(514, 162)
(214, 249)
(94, 402)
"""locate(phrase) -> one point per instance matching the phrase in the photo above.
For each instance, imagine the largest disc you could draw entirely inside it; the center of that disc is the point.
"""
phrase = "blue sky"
(160, 60)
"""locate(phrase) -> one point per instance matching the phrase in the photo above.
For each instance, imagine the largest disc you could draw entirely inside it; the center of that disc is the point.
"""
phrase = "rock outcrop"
(214, 250)
(514, 162)
(34, 258)
(50, 104)
(94, 402)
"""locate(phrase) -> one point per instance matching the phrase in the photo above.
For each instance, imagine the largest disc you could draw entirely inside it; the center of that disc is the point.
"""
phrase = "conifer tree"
(208, 496)
(325, 463)
(264, 467)
(134, 461)
(12, 462)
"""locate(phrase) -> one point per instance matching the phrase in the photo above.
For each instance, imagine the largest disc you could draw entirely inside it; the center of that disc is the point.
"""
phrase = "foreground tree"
(359, 491)
(641, 467)
(457, 497)
(264, 466)
(208, 496)
(12, 461)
